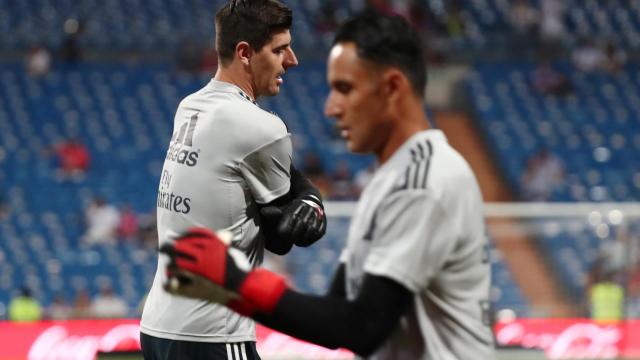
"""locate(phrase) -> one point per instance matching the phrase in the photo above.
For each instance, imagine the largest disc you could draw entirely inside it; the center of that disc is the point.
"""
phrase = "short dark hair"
(389, 41)
(253, 21)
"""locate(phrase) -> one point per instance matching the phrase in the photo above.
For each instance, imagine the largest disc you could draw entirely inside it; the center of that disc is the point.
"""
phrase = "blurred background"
(541, 96)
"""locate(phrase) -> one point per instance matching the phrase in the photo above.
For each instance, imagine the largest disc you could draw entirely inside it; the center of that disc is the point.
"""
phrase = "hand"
(202, 265)
(207, 254)
(302, 221)
(188, 284)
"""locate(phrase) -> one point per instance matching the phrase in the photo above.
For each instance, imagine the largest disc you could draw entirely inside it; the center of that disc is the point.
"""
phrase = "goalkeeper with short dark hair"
(229, 166)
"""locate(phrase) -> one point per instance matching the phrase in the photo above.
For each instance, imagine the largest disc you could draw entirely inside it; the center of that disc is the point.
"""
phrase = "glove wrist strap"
(262, 290)
(310, 198)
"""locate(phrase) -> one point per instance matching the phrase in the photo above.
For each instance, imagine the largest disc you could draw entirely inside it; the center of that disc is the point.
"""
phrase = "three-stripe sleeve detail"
(416, 173)
(426, 170)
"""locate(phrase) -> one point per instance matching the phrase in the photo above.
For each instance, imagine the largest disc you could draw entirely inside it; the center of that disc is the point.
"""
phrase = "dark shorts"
(154, 348)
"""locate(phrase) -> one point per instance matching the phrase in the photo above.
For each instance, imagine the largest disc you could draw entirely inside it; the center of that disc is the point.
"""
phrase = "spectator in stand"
(613, 59)
(546, 80)
(59, 309)
(102, 222)
(587, 57)
(70, 50)
(189, 57)
(82, 306)
(312, 166)
(632, 304)
(606, 296)
(24, 307)
(544, 175)
(313, 169)
(108, 305)
(209, 60)
(4, 206)
(382, 7)
(148, 230)
(327, 21)
(615, 254)
(128, 227)
(524, 20)
(552, 31)
(38, 61)
(73, 159)
(420, 16)
(454, 20)
(342, 187)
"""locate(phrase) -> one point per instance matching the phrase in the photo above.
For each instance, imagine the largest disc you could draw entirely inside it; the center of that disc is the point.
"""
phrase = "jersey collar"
(231, 88)
(403, 154)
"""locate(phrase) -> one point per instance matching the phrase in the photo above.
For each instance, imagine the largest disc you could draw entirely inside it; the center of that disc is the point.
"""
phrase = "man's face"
(270, 63)
(356, 100)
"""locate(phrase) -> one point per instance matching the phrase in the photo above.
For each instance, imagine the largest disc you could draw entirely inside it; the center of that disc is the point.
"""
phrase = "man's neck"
(238, 78)
(409, 120)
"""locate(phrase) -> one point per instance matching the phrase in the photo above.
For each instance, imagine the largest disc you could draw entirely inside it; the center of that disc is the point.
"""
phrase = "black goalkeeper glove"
(301, 222)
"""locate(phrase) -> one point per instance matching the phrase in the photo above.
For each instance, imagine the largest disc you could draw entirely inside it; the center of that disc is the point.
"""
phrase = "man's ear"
(394, 84)
(244, 52)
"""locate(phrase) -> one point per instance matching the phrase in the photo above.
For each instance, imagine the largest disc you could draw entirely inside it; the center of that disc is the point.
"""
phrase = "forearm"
(337, 287)
(297, 218)
(326, 321)
(300, 185)
(361, 325)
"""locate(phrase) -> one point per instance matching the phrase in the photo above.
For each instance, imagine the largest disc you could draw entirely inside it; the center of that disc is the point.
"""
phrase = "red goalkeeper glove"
(203, 265)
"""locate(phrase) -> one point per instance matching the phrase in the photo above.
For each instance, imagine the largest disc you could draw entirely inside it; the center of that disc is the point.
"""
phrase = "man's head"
(254, 35)
(375, 65)
(25, 292)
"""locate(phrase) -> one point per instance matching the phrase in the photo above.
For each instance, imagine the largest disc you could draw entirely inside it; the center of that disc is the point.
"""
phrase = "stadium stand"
(123, 111)
(594, 131)
(162, 24)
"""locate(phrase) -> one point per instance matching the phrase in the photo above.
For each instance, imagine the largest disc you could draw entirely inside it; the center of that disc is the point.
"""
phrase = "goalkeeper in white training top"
(229, 167)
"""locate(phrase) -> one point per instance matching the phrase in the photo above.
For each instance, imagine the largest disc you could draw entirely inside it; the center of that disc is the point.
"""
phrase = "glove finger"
(314, 229)
(188, 255)
(204, 236)
(192, 243)
(178, 281)
(271, 213)
(305, 220)
(186, 264)
(168, 249)
(183, 276)
(198, 232)
(288, 221)
(194, 286)
(290, 228)
(308, 215)
(174, 253)
(192, 248)
(323, 226)
(310, 235)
